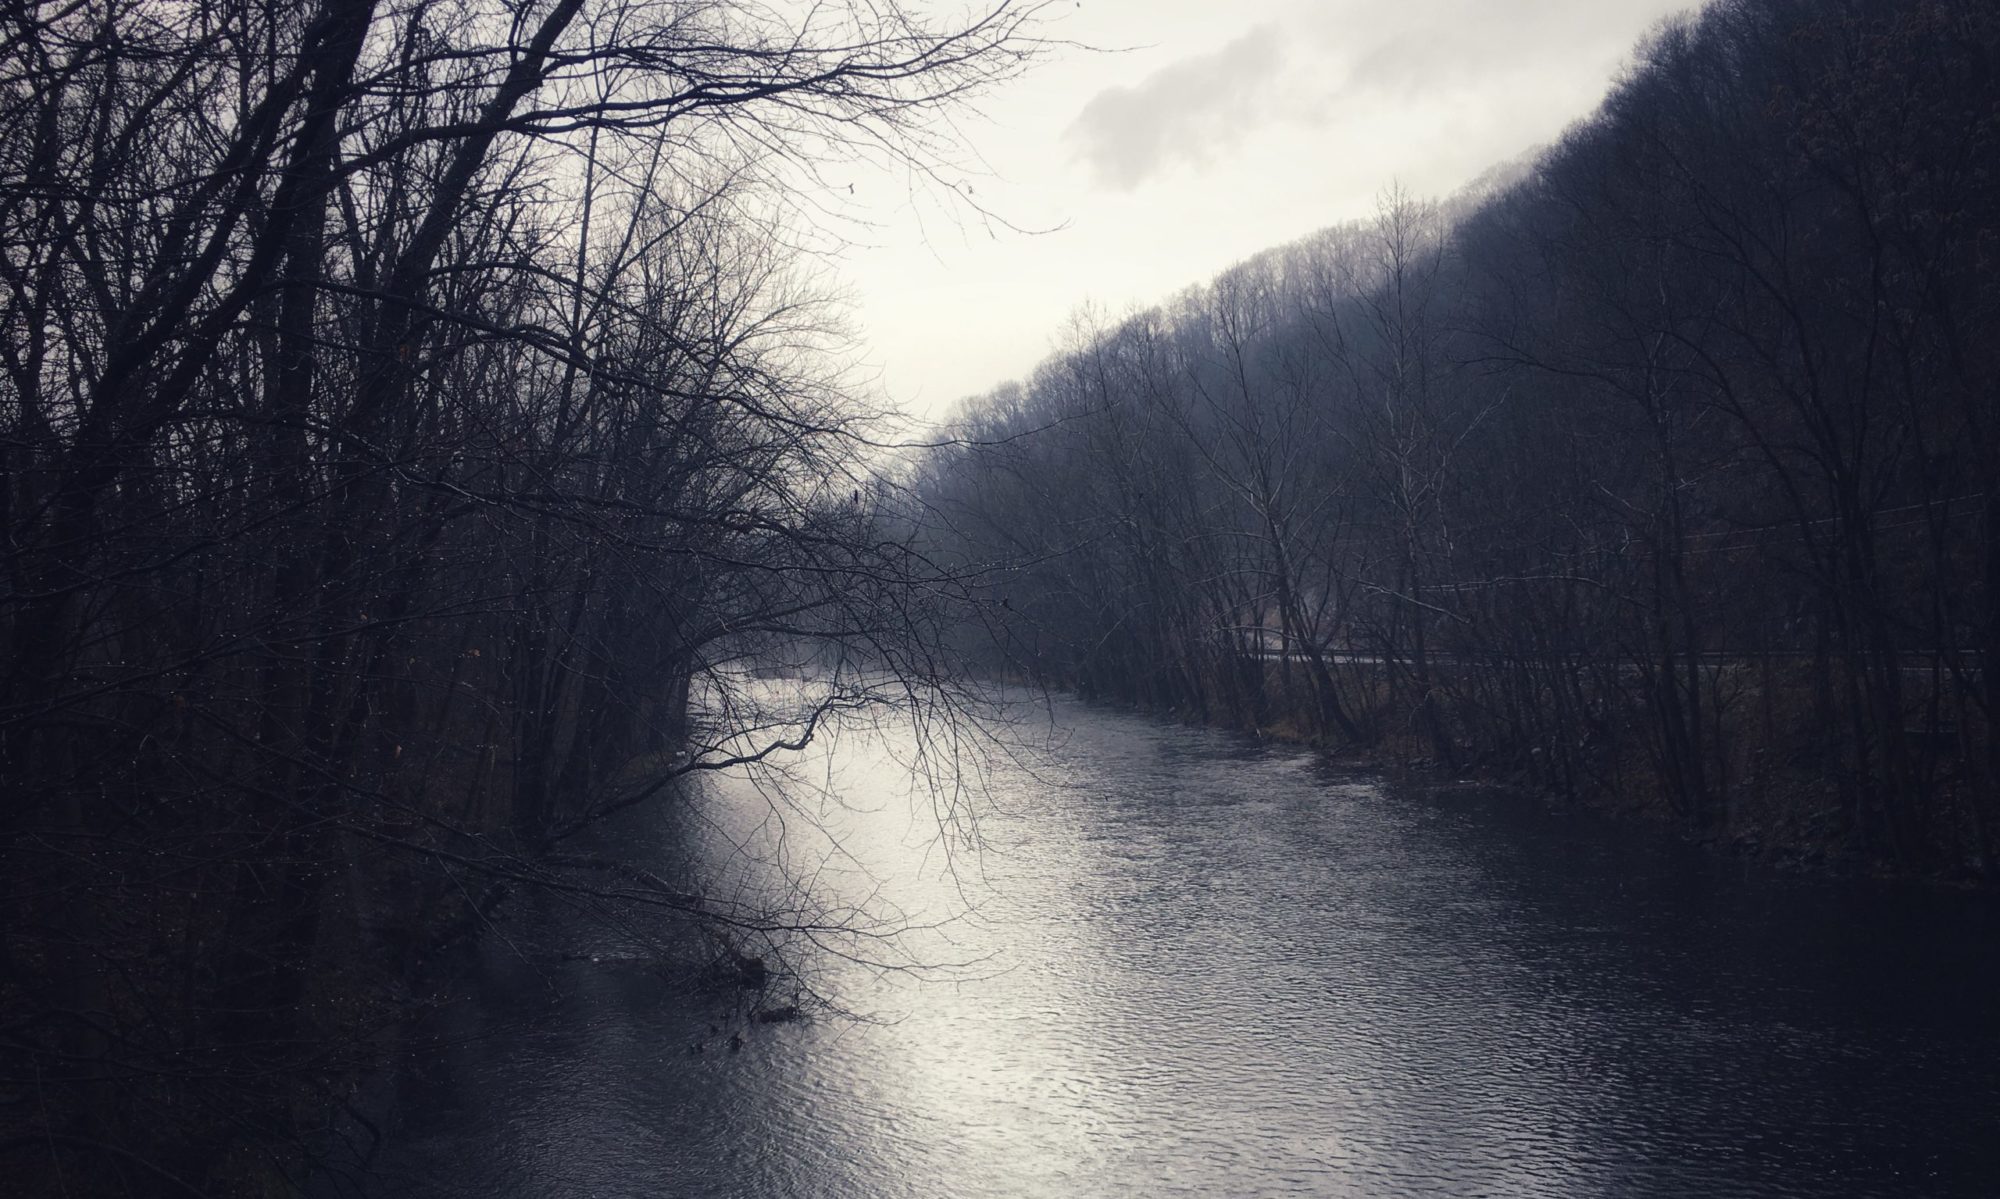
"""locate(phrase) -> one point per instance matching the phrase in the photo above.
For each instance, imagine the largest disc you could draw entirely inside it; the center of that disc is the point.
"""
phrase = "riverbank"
(1777, 792)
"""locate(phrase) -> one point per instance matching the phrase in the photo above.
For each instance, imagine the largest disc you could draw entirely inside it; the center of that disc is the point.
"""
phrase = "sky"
(1203, 132)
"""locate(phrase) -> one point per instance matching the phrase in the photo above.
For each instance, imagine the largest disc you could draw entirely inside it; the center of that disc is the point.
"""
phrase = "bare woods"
(416, 437)
(1663, 470)
(407, 408)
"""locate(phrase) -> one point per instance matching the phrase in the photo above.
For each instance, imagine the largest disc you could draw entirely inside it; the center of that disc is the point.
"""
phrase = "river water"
(1178, 964)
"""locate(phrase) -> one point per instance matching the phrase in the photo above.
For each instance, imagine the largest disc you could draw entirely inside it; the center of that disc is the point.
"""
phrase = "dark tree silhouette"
(413, 436)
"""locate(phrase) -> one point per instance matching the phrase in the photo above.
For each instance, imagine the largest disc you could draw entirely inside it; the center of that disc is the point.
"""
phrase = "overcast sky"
(1229, 126)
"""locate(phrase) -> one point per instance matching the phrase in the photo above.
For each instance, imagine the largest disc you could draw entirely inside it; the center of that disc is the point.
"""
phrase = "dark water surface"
(1212, 969)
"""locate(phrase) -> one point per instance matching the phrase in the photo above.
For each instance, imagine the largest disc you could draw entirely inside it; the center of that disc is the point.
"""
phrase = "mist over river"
(1189, 965)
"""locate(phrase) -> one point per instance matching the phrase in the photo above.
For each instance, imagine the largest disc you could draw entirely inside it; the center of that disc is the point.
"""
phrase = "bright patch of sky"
(1221, 129)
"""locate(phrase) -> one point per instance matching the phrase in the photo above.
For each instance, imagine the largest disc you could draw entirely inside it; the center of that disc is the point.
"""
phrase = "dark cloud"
(1182, 113)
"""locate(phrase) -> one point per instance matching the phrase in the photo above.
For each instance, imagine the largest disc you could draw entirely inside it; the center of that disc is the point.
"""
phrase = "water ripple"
(1216, 970)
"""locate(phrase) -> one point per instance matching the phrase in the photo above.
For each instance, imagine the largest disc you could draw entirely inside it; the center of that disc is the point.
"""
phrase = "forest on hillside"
(1659, 472)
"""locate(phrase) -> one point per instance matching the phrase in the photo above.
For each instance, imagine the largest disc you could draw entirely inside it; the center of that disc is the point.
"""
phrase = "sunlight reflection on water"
(1207, 968)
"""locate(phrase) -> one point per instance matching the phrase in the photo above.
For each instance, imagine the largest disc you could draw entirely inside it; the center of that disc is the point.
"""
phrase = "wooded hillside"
(1664, 473)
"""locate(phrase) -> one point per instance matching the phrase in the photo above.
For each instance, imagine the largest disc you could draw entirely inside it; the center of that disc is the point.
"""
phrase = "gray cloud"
(1462, 45)
(1181, 113)
(1411, 62)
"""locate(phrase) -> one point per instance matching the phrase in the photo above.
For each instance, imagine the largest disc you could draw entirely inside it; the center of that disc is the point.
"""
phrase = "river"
(1176, 963)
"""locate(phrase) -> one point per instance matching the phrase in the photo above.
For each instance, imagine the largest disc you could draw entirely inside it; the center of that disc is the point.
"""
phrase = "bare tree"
(412, 428)
(1659, 468)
